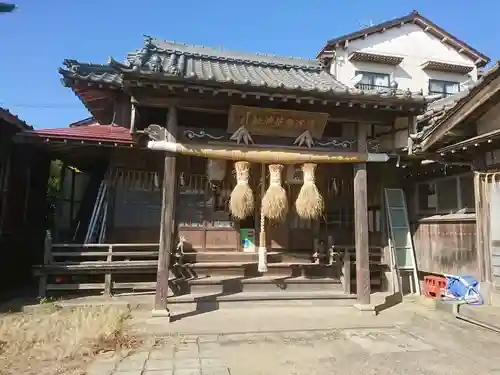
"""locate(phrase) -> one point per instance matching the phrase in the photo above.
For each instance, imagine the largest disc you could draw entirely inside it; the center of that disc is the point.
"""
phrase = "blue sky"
(42, 33)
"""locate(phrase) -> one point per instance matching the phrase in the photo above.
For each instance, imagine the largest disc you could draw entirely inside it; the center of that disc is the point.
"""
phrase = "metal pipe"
(477, 322)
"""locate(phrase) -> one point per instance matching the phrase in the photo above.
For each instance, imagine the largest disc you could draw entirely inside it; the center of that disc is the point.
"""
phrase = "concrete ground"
(406, 339)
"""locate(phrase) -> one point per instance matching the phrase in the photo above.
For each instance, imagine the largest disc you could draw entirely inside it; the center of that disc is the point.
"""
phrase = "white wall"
(416, 47)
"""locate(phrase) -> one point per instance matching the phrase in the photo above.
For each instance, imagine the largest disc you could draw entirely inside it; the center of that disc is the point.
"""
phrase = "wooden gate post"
(167, 224)
(361, 224)
(47, 259)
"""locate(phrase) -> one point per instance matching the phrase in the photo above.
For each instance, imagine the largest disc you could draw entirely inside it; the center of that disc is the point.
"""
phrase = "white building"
(411, 51)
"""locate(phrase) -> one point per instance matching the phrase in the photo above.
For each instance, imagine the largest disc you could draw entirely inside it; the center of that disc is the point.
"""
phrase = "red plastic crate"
(434, 286)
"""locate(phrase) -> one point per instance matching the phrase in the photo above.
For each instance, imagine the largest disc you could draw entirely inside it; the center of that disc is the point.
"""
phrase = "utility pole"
(6, 8)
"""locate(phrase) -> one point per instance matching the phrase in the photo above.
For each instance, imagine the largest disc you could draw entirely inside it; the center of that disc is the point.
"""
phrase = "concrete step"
(222, 285)
(228, 256)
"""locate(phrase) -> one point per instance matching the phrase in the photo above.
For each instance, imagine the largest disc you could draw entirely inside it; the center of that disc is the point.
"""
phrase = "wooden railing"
(348, 260)
(63, 261)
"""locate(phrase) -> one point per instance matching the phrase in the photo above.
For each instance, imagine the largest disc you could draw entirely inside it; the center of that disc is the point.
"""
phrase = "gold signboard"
(276, 122)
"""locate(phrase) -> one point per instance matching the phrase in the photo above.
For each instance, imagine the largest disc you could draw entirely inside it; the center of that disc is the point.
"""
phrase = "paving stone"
(211, 362)
(130, 365)
(190, 339)
(139, 356)
(100, 368)
(186, 354)
(190, 346)
(191, 363)
(136, 372)
(159, 372)
(210, 350)
(185, 371)
(163, 353)
(209, 345)
(159, 364)
(208, 338)
(216, 371)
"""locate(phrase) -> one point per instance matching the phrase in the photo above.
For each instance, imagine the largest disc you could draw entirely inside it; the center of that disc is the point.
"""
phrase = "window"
(371, 81)
(73, 188)
(443, 87)
(447, 195)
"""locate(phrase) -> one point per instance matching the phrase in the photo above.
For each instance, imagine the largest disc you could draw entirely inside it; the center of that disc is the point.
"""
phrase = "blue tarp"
(463, 288)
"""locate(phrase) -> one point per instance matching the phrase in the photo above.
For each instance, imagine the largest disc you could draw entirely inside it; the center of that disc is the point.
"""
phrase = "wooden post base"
(165, 313)
(366, 310)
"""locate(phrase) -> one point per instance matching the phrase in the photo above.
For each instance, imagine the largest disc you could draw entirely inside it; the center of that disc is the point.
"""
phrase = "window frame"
(437, 211)
(444, 83)
(372, 76)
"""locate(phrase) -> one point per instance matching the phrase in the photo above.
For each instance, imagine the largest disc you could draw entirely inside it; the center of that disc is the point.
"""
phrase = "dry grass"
(275, 203)
(59, 341)
(309, 203)
(241, 201)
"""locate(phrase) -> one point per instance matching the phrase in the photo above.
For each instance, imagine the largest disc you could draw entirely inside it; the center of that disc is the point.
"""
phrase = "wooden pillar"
(167, 224)
(262, 265)
(361, 224)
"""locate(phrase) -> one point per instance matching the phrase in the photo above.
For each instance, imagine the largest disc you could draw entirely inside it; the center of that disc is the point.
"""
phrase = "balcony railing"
(369, 87)
(445, 94)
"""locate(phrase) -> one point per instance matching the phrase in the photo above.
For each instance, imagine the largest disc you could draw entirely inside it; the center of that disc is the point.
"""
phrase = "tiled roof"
(86, 121)
(97, 73)
(163, 60)
(418, 19)
(438, 111)
(94, 132)
(217, 65)
(10, 118)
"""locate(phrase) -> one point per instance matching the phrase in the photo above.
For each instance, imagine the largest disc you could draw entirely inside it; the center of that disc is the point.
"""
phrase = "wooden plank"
(479, 207)
(102, 265)
(103, 245)
(77, 254)
(361, 224)
(107, 276)
(346, 272)
(167, 223)
(135, 286)
(76, 286)
(276, 122)
(382, 115)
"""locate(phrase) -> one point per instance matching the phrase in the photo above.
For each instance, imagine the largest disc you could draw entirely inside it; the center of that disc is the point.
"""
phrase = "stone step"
(250, 269)
(210, 301)
(228, 256)
(223, 285)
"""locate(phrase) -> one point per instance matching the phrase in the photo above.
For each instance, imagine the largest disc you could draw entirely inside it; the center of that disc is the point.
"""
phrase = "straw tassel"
(309, 203)
(241, 203)
(275, 202)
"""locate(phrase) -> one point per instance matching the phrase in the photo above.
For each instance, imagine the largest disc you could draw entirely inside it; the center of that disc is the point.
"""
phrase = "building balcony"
(370, 87)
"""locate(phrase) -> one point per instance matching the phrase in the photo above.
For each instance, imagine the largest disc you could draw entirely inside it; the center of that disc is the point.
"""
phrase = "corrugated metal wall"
(487, 186)
(494, 212)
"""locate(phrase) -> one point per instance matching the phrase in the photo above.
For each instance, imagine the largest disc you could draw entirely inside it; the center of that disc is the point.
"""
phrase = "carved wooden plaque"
(276, 122)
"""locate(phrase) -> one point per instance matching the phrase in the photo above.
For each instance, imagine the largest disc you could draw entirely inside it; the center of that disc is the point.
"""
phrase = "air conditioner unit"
(294, 174)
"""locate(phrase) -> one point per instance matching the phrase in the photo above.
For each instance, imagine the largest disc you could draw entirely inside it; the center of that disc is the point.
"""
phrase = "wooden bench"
(94, 260)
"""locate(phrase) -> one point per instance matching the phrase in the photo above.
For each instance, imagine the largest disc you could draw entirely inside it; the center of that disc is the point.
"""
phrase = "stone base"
(161, 314)
(368, 310)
